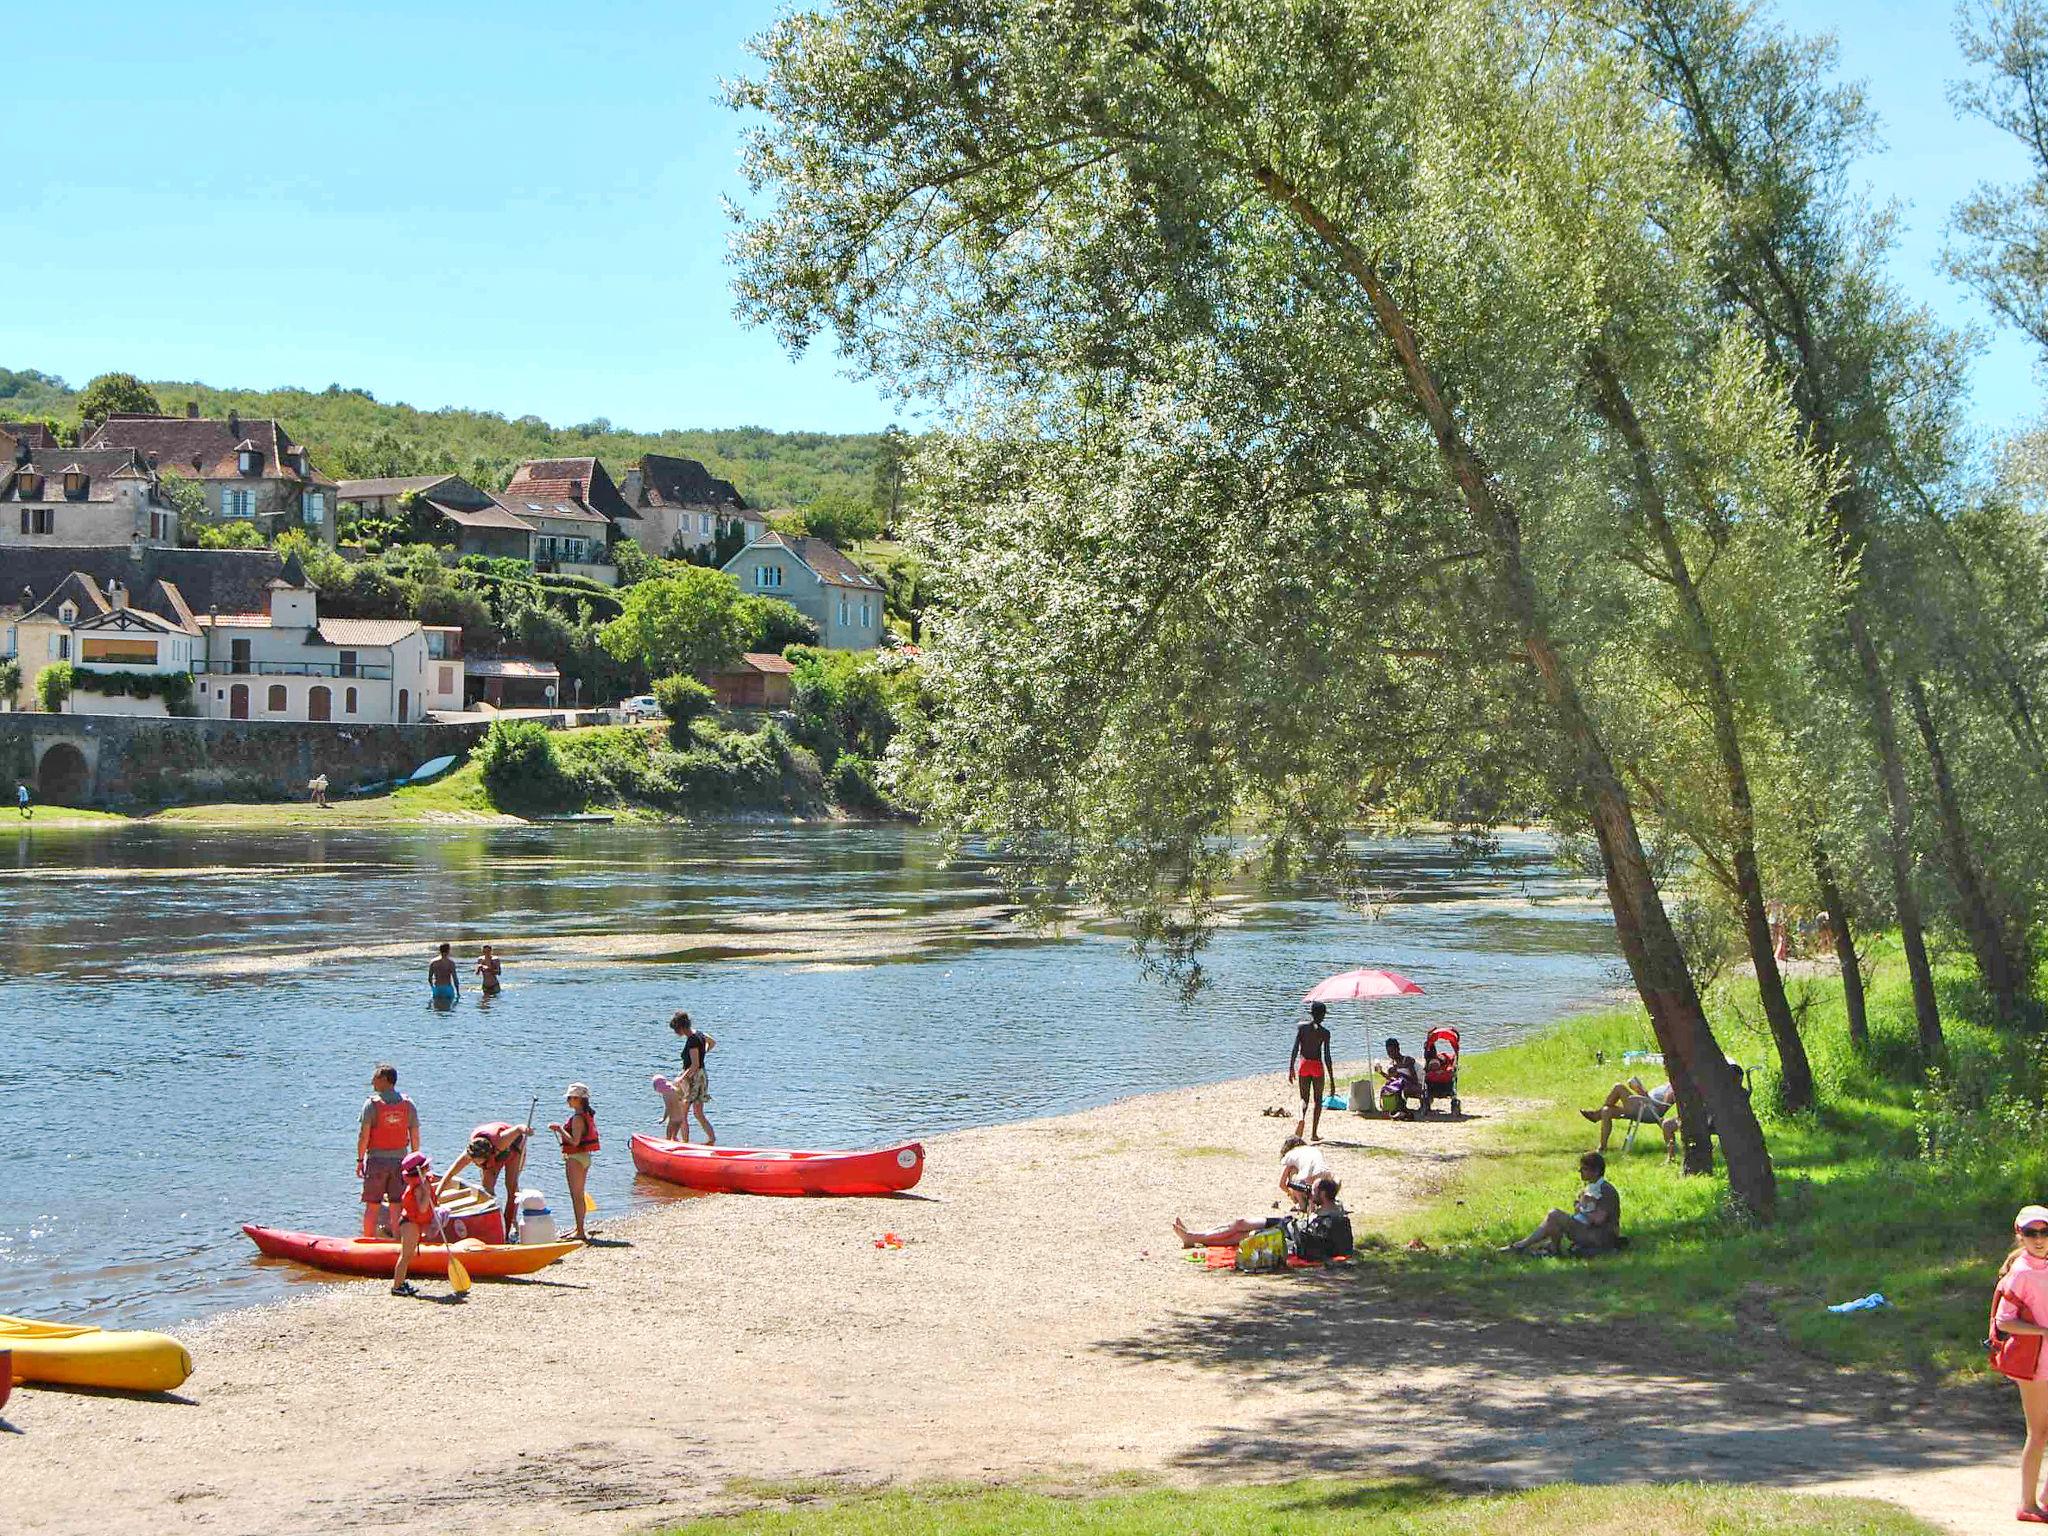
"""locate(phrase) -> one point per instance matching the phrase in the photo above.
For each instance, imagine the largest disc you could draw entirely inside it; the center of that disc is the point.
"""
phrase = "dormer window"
(31, 485)
(74, 482)
(248, 457)
(67, 611)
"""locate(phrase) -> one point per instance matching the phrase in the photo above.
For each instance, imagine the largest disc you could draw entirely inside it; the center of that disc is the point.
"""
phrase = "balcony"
(289, 669)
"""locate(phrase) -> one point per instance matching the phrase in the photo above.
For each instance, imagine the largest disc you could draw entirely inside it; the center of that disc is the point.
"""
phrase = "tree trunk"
(1845, 946)
(2001, 973)
(1795, 1072)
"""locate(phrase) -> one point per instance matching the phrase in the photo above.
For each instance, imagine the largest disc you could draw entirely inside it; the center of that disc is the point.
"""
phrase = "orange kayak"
(770, 1171)
(379, 1256)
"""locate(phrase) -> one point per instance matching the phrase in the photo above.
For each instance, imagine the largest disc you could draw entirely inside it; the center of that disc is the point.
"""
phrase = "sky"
(516, 207)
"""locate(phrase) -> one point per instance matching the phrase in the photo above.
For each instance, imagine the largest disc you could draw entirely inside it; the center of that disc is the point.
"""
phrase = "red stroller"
(1440, 1068)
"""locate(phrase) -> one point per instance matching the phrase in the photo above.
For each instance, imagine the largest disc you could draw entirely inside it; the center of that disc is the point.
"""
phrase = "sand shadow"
(606, 1242)
(169, 1399)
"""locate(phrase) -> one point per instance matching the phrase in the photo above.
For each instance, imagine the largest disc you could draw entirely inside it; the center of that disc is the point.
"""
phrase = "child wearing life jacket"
(418, 1212)
(578, 1136)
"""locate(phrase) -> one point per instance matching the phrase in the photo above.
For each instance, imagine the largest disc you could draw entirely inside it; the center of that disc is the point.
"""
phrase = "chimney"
(234, 424)
(117, 594)
(152, 458)
(575, 490)
(191, 410)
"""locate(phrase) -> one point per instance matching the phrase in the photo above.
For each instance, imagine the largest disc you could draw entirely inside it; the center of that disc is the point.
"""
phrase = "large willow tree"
(1274, 490)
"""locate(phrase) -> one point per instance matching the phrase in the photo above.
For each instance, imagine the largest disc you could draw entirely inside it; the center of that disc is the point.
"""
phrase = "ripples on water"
(192, 1020)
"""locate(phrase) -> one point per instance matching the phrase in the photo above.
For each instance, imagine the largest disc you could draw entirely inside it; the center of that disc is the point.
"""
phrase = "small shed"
(758, 680)
(513, 682)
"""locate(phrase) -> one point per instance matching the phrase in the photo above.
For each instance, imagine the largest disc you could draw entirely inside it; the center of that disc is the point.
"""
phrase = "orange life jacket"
(417, 1204)
(498, 1156)
(589, 1141)
(391, 1126)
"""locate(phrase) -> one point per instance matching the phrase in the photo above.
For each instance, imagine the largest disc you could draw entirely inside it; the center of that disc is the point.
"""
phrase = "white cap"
(2031, 1215)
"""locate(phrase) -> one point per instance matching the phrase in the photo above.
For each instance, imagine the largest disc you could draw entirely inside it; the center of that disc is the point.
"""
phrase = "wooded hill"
(353, 435)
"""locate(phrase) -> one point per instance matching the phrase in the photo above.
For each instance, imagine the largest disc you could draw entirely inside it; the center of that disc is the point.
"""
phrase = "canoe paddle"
(458, 1272)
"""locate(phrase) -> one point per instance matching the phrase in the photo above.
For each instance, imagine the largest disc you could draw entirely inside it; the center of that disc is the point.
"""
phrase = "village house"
(514, 682)
(106, 629)
(685, 510)
(819, 581)
(104, 496)
(458, 511)
(288, 663)
(249, 471)
(575, 511)
(758, 680)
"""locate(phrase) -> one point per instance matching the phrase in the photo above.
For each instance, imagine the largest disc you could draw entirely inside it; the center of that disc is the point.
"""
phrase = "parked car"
(640, 708)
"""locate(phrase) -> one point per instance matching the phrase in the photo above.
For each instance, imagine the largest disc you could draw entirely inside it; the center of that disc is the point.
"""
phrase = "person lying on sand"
(1323, 1230)
(1632, 1101)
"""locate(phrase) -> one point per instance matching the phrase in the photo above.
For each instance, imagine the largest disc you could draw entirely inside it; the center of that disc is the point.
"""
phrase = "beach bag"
(1262, 1252)
(1320, 1237)
(2017, 1355)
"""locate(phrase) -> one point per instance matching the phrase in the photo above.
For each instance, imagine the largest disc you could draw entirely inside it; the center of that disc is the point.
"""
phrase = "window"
(704, 523)
(74, 482)
(68, 611)
(237, 501)
(37, 519)
(246, 462)
(60, 647)
(348, 664)
(10, 640)
(238, 655)
(842, 608)
(445, 682)
(161, 527)
(865, 621)
(767, 575)
(116, 649)
(277, 704)
(316, 508)
(348, 702)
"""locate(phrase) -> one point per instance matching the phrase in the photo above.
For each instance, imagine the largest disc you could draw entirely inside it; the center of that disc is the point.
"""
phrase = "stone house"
(102, 629)
(83, 496)
(249, 471)
(469, 517)
(684, 509)
(576, 513)
(819, 581)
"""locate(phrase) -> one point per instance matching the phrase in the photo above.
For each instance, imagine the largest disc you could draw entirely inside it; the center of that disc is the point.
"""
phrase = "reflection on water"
(193, 1019)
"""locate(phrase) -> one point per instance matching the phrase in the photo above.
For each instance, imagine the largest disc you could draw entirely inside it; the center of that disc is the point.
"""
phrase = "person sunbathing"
(1632, 1101)
(1322, 1202)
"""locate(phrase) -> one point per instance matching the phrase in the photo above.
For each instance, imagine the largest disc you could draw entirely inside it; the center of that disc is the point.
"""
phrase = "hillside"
(354, 435)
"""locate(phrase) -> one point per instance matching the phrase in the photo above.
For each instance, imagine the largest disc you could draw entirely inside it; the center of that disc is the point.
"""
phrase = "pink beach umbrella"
(1356, 986)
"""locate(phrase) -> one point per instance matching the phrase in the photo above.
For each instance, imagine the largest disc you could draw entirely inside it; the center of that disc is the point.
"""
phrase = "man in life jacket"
(496, 1146)
(390, 1128)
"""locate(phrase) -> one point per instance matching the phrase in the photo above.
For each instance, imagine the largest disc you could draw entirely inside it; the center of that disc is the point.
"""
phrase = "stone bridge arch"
(67, 767)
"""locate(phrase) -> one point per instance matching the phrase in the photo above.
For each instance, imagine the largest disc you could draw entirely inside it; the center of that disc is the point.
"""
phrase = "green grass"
(1860, 1209)
(1404, 1507)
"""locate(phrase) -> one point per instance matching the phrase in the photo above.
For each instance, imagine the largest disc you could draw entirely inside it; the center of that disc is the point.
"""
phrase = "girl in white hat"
(2019, 1310)
(578, 1136)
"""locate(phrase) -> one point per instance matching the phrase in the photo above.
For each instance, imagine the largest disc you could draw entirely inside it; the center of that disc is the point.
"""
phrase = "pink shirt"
(2026, 1283)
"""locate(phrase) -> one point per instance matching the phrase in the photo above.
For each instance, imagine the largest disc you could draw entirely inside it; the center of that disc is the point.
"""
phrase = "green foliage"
(520, 767)
(1388, 1507)
(235, 535)
(691, 771)
(112, 392)
(10, 679)
(53, 687)
(774, 625)
(846, 701)
(174, 688)
(682, 699)
(692, 621)
(842, 518)
(852, 782)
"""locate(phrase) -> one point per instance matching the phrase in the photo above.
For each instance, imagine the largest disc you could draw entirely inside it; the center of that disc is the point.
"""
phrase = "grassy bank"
(1861, 1208)
(1395, 1508)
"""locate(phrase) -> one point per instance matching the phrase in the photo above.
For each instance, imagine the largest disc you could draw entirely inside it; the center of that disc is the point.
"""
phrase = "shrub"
(53, 686)
(853, 785)
(174, 688)
(682, 699)
(520, 767)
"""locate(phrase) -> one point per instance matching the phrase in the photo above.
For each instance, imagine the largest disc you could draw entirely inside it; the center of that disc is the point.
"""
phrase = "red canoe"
(364, 1256)
(767, 1171)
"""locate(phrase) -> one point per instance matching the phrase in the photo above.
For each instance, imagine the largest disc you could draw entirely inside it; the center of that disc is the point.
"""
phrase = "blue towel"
(1868, 1303)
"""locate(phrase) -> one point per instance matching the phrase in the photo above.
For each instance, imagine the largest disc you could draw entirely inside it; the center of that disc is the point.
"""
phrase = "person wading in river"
(442, 981)
(488, 969)
(1309, 1064)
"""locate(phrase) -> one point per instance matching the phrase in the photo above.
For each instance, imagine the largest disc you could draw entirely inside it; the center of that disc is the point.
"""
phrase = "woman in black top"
(695, 1087)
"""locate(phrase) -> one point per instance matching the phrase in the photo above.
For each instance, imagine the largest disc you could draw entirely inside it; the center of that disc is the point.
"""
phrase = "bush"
(174, 688)
(520, 767)
(853, 785)
(53, 686)
(682, 699)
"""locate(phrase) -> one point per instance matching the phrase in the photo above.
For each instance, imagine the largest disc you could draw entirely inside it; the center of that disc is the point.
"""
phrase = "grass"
(1860, 1209)
(1402, 1507)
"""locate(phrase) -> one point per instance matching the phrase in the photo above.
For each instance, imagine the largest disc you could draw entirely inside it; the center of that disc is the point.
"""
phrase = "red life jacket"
(589, 1143)
(417, 1204)
(391, 1126)
(498, 1156)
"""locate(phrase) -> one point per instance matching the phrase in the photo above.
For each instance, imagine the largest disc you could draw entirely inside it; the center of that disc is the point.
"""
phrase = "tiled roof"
(76, 586)
(372, 632)
(520, 505)
(101, 466)
(372, 490)
(492, 516)
(232, 580)
(511, 666)
(659, 480)
(766, 661)
(826, 563)
(558, 480)
(35, 434)
(136, 614)
(205, 446)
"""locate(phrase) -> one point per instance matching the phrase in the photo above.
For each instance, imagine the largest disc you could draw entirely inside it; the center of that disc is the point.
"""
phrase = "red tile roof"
(205, 447)
(570, 480)
(101, 466)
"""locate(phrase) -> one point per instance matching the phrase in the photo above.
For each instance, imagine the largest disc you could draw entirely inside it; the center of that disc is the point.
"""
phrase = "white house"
(843, 600)
(104, 631)
(291, 664)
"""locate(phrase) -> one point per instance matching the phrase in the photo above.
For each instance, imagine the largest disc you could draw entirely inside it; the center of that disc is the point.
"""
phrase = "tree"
(1999, 234)
(773, 625)
(691, 622)
(112, 392)
(841, 518)
(1250, 268)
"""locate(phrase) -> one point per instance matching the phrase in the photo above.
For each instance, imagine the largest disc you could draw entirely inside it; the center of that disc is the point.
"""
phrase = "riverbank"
(1038, 1321)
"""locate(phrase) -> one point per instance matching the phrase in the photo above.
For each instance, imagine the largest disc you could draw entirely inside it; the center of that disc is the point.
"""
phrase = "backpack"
(1316, 1237)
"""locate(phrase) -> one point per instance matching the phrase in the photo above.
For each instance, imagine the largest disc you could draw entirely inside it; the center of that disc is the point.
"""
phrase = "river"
(191, 1018)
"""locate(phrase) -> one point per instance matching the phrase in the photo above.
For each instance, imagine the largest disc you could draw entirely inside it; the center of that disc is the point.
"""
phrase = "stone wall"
(124, 760)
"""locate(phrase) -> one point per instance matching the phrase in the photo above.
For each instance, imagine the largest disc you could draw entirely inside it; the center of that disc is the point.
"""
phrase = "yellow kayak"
(77, 1355)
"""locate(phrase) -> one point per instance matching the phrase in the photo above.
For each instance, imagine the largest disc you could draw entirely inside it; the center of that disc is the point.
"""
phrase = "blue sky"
(516, 206)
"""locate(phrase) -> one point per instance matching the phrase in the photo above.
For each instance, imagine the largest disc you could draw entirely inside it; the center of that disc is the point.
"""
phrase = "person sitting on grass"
(1324, 1225)
(1592, 1225)
(1402, 1082)
(1632, 1101)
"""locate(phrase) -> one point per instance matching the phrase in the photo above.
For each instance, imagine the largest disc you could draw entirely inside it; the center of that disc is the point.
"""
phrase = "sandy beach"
(1039, 1322)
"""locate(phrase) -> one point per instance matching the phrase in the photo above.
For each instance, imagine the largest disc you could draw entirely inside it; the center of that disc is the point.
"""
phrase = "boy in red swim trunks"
(1310, 1065)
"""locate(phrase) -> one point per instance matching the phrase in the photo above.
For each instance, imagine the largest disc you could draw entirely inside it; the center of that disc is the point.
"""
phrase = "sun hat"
(415, 1162)
(2030, 1215)
(576, 1091)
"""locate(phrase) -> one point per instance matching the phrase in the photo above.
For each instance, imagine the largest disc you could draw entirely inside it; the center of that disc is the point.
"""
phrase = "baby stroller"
(1440, 1068)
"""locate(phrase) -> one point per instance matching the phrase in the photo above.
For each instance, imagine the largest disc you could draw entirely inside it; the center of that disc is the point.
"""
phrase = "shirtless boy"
(1309, 1064)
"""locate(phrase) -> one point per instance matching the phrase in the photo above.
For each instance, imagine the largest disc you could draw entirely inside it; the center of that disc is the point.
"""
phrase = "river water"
(191, 1019)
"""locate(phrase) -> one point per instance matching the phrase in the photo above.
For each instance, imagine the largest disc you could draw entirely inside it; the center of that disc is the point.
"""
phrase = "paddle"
(458, 1272)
